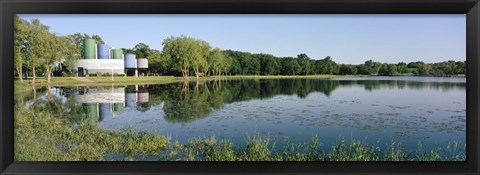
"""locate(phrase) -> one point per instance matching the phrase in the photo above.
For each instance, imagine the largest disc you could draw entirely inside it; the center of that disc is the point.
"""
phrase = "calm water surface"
(406, 109)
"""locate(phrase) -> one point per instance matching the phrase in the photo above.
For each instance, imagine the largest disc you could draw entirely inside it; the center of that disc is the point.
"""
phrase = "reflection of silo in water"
(131, 99)
(142, 97)
(91, 109)
(105, 111)
(118, 107)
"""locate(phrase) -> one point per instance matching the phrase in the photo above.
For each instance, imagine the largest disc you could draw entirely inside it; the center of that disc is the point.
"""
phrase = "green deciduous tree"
(269, 64)
(35, 49)
(216, 60)
(186, 53)
(200, 52)
(347, 69)
(305, 64)
(402, 68)
(290, 66)
(58, 49)
(327, 66)
(142, 50)
(19, 43)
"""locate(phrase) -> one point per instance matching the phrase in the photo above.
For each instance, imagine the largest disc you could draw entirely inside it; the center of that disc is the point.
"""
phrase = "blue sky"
(346, 38)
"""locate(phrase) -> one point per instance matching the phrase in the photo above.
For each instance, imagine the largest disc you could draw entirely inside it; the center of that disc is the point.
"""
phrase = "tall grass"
(41, 136)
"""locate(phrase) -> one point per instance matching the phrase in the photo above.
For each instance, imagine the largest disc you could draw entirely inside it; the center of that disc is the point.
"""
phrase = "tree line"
(39, 51)
(185, 56)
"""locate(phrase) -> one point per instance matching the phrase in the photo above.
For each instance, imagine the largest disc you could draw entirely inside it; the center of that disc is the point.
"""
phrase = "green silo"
(89, 49)
(117, 53)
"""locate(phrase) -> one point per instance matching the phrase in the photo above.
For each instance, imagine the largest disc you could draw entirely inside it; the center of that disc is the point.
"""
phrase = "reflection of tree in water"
(187, 105)
(371, 85)
(22, 97)
(51, 101)
(194, 100)
(143, 107)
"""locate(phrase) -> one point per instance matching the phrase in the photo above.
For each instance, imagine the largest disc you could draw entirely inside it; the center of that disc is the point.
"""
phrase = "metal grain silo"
(103, 51)
(142, 63)
(105, 110)
(130, 61)
(89, 49)
(117, 53)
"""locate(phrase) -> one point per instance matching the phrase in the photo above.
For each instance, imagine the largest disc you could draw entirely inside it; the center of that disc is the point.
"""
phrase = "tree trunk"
(49, 73)
(33, 74)
(196, 72)
(20, 73)
(184, 74)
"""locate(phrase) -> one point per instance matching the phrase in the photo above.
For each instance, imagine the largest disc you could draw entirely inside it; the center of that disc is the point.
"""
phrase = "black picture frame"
(8, 8)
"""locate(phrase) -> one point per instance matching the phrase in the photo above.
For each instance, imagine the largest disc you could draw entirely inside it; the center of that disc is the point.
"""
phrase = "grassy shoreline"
(73, 81)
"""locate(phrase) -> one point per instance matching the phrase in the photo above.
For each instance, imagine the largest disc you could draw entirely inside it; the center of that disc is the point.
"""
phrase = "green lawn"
(71, 81)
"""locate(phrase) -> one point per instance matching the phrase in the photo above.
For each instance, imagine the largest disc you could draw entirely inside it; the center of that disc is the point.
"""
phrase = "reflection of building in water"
(142, 97)
(91, 109)
(101, 102)
(106, 109)
(100, 95)
(131, 99)
(134, 96)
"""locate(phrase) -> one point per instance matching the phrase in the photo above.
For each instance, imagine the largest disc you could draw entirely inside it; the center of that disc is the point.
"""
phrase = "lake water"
(409, 110)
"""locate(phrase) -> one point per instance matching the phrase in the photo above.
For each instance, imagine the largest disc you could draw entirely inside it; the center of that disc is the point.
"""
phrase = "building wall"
(100, 65)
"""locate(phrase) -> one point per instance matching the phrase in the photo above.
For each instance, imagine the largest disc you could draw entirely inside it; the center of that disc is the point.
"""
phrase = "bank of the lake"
(121, 80)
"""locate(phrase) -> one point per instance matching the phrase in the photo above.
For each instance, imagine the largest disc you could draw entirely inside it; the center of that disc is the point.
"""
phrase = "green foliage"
(388, 69)
(217, 60)
(347, 69)
(328, 66)
(187, 53)
(142, 50)
(269, 65)
(290, 66)
(40, 50)
(402, 68)
(43, 133)
(370, 68)
(305, 64)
